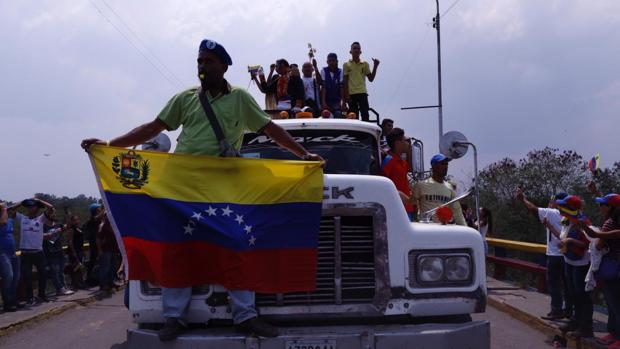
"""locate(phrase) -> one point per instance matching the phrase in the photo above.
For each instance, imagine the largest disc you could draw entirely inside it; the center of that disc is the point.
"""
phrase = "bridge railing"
(501, 261)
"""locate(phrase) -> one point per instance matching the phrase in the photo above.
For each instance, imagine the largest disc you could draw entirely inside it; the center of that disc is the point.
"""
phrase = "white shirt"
(554, 218)
(310, 87)
(31, 232)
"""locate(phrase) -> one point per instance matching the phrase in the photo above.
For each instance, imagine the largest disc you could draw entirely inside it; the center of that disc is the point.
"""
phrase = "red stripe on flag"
(184, 264)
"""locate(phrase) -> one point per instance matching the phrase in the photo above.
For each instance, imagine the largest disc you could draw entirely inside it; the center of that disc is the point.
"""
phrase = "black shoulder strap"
(226, 150)
(206, 106)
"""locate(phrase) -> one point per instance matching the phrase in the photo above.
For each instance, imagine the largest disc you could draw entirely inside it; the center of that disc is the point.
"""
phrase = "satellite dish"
(161, 142)
(451, 145)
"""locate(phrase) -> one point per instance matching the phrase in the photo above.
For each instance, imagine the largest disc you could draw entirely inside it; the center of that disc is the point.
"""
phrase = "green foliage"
(540, 174)
(77, 205)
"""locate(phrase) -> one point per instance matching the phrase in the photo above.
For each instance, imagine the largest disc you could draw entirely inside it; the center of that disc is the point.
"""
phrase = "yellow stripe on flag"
(196, 178)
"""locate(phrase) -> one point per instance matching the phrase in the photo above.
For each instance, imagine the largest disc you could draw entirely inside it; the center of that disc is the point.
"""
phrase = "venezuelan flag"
(594, 164)
(188, 220)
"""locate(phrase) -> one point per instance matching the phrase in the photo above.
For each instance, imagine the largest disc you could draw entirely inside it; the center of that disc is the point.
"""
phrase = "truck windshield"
(346, 152)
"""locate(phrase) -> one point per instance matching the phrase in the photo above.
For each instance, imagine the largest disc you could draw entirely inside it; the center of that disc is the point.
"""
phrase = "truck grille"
(346, 265)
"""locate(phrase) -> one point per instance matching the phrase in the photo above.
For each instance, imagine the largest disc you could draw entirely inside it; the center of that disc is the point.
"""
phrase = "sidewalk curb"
(16, 326)
(540, 324)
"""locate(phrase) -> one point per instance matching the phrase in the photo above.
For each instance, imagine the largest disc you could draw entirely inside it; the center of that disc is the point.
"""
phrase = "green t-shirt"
(356, 72)
(236, 112)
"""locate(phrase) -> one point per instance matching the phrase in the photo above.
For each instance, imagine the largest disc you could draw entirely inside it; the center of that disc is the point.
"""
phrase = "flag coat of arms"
(187, 220)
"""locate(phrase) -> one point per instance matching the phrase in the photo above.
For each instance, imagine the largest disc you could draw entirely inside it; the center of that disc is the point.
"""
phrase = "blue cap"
(439, 158)
(559, 196)
(93, 208)
(216, 49)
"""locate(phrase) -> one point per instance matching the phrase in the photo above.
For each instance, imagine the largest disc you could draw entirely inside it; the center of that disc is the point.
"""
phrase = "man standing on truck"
(237, 112)
(396, 168)
(355, 73)
(436, 191)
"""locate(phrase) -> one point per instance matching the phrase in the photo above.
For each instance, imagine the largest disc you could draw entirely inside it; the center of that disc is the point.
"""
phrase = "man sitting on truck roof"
(436, 191)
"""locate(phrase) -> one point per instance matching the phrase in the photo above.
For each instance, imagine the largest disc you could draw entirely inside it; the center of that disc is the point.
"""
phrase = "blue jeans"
(56, 265)
(176, 301)
(611, 290)
(106, 269)
(555, 271)
(582, 303)
(9, 272)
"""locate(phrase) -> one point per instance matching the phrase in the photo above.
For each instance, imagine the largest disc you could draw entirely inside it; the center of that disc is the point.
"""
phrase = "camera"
(255, 69)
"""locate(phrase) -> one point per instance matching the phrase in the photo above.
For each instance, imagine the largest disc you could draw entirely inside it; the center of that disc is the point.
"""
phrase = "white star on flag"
(211, 211)
(188, 229)
(252, 240)
(197, 215)
(226, 211)
(248, 229)
(239, 219)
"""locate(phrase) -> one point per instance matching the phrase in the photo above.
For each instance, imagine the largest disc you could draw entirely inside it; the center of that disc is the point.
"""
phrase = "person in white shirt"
(31, 244)
(312, 86)
(555, 260)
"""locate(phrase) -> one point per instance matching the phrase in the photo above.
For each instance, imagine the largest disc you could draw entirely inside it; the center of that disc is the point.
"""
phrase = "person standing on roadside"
(9, 263)
(555, 260)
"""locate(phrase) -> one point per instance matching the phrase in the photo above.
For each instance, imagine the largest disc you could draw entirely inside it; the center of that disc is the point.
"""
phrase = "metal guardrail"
(518, 245)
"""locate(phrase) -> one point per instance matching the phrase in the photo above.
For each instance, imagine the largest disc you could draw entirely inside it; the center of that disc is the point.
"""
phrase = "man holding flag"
(237, 112)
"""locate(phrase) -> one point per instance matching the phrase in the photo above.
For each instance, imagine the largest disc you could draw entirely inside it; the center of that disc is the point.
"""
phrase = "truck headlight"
(440, 268)
(430, 269)
(457, 268)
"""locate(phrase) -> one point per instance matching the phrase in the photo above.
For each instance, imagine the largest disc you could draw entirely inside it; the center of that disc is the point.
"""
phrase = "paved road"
(102, 325)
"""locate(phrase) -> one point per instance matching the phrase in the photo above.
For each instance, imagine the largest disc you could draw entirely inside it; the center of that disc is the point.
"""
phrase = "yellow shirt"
(356, 73)
(429, 194)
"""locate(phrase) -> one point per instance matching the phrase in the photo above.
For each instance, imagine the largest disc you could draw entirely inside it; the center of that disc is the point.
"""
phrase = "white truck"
(382, 282)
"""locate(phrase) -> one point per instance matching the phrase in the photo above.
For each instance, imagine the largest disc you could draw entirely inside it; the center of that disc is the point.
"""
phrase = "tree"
(541, 174)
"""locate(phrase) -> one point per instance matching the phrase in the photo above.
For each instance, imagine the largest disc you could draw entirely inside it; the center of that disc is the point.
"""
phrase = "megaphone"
(161, 143)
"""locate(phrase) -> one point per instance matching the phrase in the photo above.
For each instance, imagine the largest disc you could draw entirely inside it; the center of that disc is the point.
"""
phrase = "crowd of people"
(580, 256)
(330, 92)
(56, 250)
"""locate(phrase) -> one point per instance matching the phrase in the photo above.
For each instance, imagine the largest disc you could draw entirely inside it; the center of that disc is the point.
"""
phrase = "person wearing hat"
(555, 260)
(574, 246)
(89, 230)
(236, 112)
(333, 87)
(31, 244)
(436, 191)
(609, 235)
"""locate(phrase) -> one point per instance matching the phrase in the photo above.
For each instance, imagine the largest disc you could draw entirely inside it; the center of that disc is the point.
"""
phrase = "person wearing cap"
(333, 87)
(90, 229)
(436, 191)
(555, 260)
(396, 168)
(237, 112)
(609, 235)
(9, 263)
(31, 244)
(574, 246)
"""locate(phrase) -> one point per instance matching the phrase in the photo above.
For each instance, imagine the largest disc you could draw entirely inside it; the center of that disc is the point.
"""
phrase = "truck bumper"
(475, 334)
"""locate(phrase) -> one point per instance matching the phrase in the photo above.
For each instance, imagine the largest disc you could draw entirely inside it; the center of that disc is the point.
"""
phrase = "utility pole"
(439, 105)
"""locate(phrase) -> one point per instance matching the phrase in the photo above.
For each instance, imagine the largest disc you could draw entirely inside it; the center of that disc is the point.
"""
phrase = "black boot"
(257, 327)
(171, 330)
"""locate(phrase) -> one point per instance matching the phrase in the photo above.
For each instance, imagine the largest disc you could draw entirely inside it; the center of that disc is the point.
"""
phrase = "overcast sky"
(517, 74)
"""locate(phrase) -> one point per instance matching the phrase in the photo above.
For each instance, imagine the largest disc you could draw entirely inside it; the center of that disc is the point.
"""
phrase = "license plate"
(311, 344)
